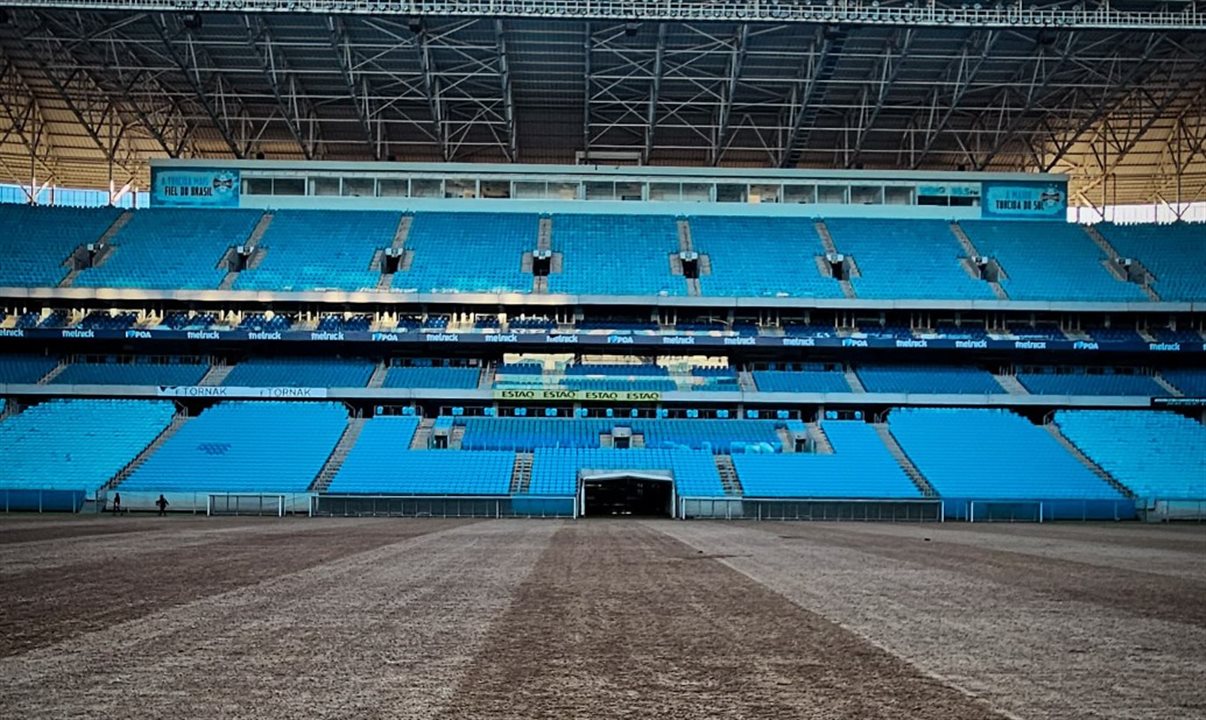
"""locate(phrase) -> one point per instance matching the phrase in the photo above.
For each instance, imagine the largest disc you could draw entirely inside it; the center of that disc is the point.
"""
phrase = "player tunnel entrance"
(625, 493)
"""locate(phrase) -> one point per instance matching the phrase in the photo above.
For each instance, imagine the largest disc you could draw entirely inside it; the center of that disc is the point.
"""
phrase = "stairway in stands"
(831, 249)
(54, 372)
(1119, 272)
(398, 244)
(853, 380)
(1055, 432)
(521, 473)
(254, 258)
(902, 459)
(1168, 387)
(1010, 384)
(728, 476)
(215, 375)
(330, 468)
(820, 441)
(178, 421)
(422, 437)
(970, 249)
(104, 245)
(377, 379)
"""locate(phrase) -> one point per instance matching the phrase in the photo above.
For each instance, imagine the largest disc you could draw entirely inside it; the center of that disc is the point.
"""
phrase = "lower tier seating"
(992, 454)
(381, 463)
(951, 379)
(25, 369)
(465, 378)
(76, 444)
(1155, 454)
(1191, 383)
(814, 381)
(527, 434)
(860, 466)
(244, 447)
(555, 471)
(1083, 383)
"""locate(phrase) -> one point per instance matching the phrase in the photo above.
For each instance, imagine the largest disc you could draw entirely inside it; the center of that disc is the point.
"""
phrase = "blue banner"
(195, 187)
(1025, 200)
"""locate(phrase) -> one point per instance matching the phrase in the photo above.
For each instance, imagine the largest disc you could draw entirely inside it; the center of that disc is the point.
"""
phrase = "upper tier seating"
(1084, 383)
(171, 249)
(860, 466)
(812, 380)
(1191, 383)
(992, 454)
(952, 379)
(420, 376)
(1049, 261)
(25, 369)
(244, 447)
(527, 434)
(469, 252)
(77, 444)
(140, 371)
(555, 471)
(906, 259)
(300, 372)
(381, 463)
(761, 257)
(616, 255)
(1175, 254)
(36, 241)
(1155, 454)
(321, 249)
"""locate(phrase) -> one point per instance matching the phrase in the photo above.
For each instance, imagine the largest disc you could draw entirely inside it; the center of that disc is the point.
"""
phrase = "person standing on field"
(162, 503)
(116, 503)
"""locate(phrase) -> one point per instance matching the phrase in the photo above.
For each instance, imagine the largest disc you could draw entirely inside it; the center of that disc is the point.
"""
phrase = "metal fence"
(199, 503)
(1173, 510)
(502, 506)
(1038, 509)
(855, 510)
(56, 501)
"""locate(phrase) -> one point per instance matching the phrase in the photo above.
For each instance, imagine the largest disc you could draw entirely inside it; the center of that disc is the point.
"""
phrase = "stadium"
(646, 358)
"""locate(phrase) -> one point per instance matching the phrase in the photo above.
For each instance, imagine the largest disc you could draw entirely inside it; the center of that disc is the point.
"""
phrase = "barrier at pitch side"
(815, 509)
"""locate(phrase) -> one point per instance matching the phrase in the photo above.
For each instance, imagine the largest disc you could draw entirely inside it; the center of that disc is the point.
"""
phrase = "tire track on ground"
(618, 620)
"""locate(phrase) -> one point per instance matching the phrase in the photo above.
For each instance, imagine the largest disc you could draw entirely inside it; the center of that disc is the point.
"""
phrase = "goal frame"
(245, 504)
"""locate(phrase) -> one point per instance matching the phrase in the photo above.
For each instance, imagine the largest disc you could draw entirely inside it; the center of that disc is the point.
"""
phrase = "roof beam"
(805, 87)
(341, 46)
(504, 79)
(655, 91)
(192, 77)
(736, 62)
(433, 90)
(889, 67)
(962, 73)
(290, 98)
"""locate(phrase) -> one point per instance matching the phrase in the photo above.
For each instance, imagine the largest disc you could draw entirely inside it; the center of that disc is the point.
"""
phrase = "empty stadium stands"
(39, 240)
(1049, 261)
(906, 259)
(300, 372)
(27, 369)
(468, 252)
(244, 447)
(952, 379)
(431, 376)
(136, 371)
(1174, 253)
(320, 249)
(860, 467)
(527, 434)
(1191, 382)
(555, 471)
(809, 378)
(761, 257)
(615, 255)
(1082, 381)
(76, 444)
(1155, 454)
(171, 249)
(992, 454)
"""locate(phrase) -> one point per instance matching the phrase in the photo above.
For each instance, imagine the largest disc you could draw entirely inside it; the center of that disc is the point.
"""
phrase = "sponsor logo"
(1030, 344)
(1085, 345)
(1164, 347)
(678, 340)
(142, 334)
(558, 394)
(740, 341)
(971, 343)
(643, 395)
(12, 333)
(602, 395)
(620, 340)
(78, 334)
(326, 336)
(501, 338)
(442, 337)
(853, 342)
(572, 339)
(912, 344)
(285, 392)
(385, 337)
(516, 394)
(263, 336)
(202, 335)
(799, 342)
(195, 391)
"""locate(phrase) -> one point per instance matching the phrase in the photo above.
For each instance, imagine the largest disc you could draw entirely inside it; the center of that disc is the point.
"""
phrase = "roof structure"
(1112, 95)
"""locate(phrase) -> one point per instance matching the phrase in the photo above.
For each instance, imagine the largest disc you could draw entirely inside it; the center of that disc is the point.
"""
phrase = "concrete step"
(422, 437)
(54, 372)
(902, 458)
(1010, 384)
(215, 376)
(330, 468)
(377, 379)
(785, 440)
(178, 421)
(1055, 432)
(544, 234)
(521, 473)
(402, 232)
(684, 236)
(826, 239)
(1169, 387)
(820, 441)
(745, 380)
(856, 383)
(728, 476)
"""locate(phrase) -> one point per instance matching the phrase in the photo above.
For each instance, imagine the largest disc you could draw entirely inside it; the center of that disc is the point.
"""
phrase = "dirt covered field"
(236, 618)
